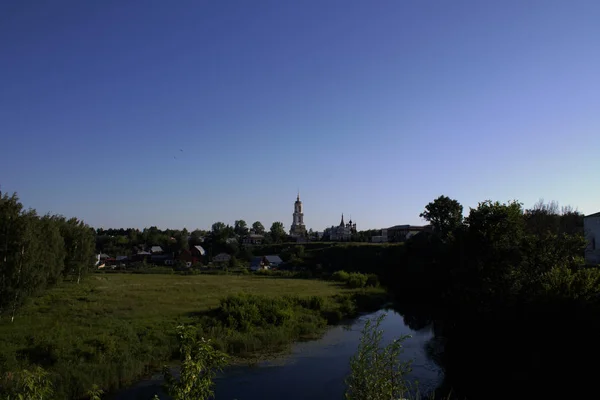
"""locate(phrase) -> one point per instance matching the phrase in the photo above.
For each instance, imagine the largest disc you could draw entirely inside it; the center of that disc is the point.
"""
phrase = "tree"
(200, 364)
(79, 245)
(376, 372)
(258, 228)
(444, 214)
(277, 232)
(240, 228)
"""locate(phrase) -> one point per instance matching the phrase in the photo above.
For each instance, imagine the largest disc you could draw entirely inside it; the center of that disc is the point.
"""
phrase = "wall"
(591, 226)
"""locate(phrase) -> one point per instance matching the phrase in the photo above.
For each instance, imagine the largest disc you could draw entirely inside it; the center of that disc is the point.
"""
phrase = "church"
(298, 229)
(342, 232)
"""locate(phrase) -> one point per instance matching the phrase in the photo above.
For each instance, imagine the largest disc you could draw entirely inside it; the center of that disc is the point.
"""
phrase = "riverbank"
(113, 329)
(313, 369)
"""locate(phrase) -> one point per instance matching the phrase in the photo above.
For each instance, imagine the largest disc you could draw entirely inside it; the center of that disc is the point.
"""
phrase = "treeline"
(508, 292)
(500, 255)
(38, 251)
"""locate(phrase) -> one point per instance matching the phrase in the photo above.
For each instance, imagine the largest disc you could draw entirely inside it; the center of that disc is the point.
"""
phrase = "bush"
(340, 276)
(377, 371)
(356, 280)
(372, 280)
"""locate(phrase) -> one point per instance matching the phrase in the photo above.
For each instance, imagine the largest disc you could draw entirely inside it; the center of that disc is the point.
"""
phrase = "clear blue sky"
(370, 108)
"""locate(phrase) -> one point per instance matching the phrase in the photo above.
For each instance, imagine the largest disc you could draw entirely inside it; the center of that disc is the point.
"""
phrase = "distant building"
(253, 239)
(221, 258)
(383, 238)
(401, 233)
(298, 229)
(341, 233)
(156, 249)
(591, 227)
(273, 261)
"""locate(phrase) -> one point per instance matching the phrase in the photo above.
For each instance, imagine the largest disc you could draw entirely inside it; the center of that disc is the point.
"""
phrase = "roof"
(102, 255)
(200, 250)
(256, 260)
(593, 215)
(121, 258)
(223, 256)
(156, 249)
(143, 253)
(255, 236)
(274, 259)
(409, 227)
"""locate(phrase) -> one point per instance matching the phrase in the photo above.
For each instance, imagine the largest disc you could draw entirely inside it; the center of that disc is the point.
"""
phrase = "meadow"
(111, 329)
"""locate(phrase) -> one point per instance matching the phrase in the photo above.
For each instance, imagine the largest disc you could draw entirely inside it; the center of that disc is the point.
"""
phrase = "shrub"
(244, 312)
(356, 280)
(372, 280)
(376, 371)
(340, 276)
(200, 363)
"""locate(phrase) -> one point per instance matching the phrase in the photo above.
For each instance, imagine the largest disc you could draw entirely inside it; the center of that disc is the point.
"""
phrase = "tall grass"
(114, 328)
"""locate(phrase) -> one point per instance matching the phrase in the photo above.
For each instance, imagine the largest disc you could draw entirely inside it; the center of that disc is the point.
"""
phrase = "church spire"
(342, 223)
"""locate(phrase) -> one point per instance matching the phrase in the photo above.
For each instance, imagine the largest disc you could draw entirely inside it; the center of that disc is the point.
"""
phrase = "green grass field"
(113, 328)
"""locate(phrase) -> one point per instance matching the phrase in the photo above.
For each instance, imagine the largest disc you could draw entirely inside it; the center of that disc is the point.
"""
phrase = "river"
(313, 370)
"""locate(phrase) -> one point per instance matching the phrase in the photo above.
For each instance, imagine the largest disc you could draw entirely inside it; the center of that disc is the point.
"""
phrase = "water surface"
(313, 370)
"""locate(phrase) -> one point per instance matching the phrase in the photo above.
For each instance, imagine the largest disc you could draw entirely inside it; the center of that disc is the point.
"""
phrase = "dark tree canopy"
(277, 232)
(240, 227)
(444, 214)
(258, 228)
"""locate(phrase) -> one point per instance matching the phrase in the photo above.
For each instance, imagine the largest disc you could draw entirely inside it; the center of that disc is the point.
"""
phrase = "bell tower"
(298, 228)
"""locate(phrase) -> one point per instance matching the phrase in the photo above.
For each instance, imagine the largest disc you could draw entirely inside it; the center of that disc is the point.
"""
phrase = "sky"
(183, 113)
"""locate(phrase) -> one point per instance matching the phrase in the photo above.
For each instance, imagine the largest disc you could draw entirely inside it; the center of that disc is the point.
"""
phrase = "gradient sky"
(370, 108)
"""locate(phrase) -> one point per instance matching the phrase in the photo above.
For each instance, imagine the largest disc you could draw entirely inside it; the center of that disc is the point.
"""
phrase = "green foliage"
(340, 276)
(36, 252)
(277, 232)
(377, 373)
(444, 214)
(34, 384)
(240, 228)
(95, 393)
(258, 228)
(200, 362)
(355, 280)
(103, 331)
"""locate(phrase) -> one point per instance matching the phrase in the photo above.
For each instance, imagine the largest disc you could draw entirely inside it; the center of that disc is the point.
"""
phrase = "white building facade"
(591, 227)
(298, 229)
(341, 233)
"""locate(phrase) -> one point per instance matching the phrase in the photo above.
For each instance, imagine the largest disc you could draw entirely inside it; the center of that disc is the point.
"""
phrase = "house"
(231, 240)
(591, 227)
(221, 258)
(101, 257)
(273, 261)
(141, 256)
(401, 233)
(187, 257)
(258, 263)
(198, 252)
(156, 250)
(162, 259)
(253, 239)
(121, 260)
(383, 238)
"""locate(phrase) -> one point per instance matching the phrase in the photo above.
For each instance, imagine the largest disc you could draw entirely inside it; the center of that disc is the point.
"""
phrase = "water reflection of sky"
(317, 370)
(314, 370)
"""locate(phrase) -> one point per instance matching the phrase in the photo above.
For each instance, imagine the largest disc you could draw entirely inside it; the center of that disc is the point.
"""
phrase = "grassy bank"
(113, 328)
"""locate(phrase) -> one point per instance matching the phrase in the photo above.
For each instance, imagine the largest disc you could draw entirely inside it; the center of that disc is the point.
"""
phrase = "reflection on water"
(313, 370)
